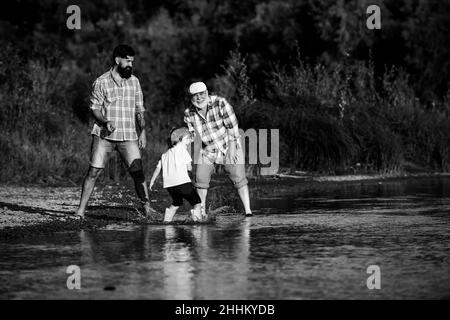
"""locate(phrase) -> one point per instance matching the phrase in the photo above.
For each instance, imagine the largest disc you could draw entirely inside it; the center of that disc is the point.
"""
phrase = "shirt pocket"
(111, 97)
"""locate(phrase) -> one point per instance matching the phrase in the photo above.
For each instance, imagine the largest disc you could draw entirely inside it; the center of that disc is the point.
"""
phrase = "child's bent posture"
(175, 164)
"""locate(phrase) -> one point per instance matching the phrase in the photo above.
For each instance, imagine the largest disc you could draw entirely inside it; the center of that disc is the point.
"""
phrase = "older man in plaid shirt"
(212, 119)
(117, 106)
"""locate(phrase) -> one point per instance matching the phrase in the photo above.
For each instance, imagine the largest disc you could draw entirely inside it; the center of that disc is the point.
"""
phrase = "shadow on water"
(320, 249)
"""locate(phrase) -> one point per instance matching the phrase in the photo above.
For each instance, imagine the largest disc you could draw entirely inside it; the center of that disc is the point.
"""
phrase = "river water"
(314, 244)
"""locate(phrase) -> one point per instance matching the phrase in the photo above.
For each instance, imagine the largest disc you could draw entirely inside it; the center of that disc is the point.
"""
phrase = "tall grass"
(44, 123)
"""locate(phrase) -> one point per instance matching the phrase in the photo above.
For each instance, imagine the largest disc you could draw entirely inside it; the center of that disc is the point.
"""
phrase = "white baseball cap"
(197, 87)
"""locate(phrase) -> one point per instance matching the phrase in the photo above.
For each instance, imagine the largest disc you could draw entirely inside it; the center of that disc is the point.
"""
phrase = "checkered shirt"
(219, 125)
(118, 100)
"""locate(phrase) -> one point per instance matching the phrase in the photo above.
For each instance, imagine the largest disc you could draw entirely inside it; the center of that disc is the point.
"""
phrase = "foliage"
(377, 98)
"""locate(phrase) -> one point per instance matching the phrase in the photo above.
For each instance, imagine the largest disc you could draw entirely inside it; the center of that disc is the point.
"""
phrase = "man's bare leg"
(245, 198)
(202, 193)
(88, 187)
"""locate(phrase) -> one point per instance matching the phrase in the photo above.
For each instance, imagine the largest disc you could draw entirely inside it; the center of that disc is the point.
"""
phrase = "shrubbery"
(343, 119)
(335, 112)
(45, 127)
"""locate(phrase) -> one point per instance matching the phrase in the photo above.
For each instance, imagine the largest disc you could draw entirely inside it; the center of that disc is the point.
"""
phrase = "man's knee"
(136, 171)
(236, 173)
(201, 185)
(136, 165)
(203, 176)
(238, 184)
(94, 173)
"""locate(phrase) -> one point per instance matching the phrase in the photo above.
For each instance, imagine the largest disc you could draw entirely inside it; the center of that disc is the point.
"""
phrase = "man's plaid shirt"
(220, 121)
(118, 100)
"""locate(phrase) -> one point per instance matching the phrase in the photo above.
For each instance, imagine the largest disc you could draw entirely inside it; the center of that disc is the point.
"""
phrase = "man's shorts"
(186, 191)
(235, 172)
(101, 148)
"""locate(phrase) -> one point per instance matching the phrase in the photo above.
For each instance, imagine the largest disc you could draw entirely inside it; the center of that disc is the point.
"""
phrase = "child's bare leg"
(170, 212)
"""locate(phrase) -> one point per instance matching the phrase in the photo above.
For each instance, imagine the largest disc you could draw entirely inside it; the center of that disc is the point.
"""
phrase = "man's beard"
(124, 72)
(202, 104)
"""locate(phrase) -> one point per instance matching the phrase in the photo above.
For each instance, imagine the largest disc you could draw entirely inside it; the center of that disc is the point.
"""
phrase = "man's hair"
(122, 51)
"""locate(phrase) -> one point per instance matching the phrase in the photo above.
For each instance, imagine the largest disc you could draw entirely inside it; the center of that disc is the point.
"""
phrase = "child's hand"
(150, 187)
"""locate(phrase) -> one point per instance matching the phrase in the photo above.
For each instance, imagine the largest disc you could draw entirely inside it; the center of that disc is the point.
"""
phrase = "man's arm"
(187, 120)
(102, 120)
(96, 100)
(140, 119)
(230, 121)
(231, 124)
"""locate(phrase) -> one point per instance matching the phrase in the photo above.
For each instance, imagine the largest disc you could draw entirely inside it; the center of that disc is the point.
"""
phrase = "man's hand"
(233, 152)
(110, 127)
(142, 142)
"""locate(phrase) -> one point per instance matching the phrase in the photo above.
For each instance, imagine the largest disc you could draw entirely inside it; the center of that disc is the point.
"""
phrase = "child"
(175, 164)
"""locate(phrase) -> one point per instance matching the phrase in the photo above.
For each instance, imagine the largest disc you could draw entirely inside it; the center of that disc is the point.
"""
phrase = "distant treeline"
(343, 96)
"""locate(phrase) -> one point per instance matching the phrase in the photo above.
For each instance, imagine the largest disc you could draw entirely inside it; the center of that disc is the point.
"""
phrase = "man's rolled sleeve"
(230, 121)
(188, 121)
(97, 96)
(139, 98)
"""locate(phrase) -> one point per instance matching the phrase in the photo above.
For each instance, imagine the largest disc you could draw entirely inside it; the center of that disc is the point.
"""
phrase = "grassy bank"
(331, 119)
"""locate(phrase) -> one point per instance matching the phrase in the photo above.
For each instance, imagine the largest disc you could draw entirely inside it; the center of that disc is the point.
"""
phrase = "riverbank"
(26, 210)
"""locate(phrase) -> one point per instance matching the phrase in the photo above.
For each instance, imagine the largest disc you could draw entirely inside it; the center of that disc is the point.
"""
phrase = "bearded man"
(117, 105)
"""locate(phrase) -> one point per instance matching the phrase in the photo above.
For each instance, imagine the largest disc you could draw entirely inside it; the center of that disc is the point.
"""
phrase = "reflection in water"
(193, 264)
(168, 262)
(178, 266)
(302, 244)
(222, 252)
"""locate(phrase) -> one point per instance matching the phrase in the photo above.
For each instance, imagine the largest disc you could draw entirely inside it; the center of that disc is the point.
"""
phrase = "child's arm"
(187, 159)
(155, 175)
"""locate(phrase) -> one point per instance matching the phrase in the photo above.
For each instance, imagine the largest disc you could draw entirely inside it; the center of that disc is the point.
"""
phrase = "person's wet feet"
(249, 214)
(78, 215)
(149, 212)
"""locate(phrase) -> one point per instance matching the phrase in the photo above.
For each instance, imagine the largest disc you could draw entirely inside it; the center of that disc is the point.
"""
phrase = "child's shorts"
(186, 191)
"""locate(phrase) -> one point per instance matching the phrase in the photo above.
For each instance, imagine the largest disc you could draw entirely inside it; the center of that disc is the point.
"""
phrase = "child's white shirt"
(174, 166)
